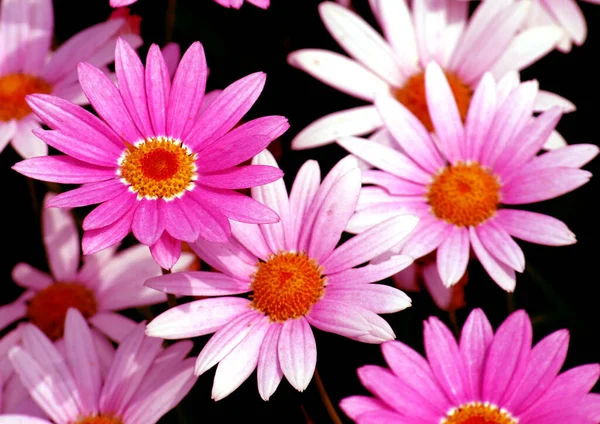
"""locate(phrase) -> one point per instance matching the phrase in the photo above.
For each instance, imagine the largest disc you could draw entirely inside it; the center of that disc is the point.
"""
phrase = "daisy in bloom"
(459, 180)
(438, 31)
(143, 382)
(486, 378)
(108, 281)
(27, 66)
(157, 168)
(296, 277)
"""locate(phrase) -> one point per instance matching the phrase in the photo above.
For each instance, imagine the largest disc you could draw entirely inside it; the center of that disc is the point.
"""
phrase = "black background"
(559, 289)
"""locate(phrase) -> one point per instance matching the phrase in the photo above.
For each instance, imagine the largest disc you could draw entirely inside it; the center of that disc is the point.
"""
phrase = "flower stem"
(335, 418)
(171, 298)
(454, 323)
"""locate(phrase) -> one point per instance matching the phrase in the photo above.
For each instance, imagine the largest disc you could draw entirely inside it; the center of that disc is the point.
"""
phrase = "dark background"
(558, 289)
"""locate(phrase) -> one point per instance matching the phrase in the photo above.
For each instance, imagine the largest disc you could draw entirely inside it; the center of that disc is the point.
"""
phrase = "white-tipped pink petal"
(535, 227)
(453, 256)
(297, 351)
(535, 185)
(500, 273)
(357, 121)
(339, 72)
(397, 23)
(570, 17)
(269, 373)
(427, 236)
(237, 366)
(372, 272)
(354, 406)
(198, 283)
(376, 298)
(501, 245)
(546, 100)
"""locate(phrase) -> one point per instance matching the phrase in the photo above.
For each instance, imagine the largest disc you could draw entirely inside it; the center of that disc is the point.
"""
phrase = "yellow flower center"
(48, 308)
(478, 413)
(100, 419)
(412, 96)
(287, 285)
(13, 89)
(464, 194)
(158, 168)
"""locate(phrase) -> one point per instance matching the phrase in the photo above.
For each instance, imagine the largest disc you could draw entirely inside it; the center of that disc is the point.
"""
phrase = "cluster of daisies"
(456, 143)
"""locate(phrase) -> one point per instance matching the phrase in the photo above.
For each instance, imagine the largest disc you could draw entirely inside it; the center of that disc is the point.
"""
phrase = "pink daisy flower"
(160, 166)
(108, 281)
(486, 378)
(297, 278)
(439, 31)
(458, 180)
(143, 383)
(27, 66)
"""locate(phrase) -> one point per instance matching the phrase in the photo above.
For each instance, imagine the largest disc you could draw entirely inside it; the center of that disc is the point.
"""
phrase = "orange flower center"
(412, 96)
(13, 89)
(287, 285)
(158, 168)
(464, 194)
(48, 308)
(478, 413)
(99, 419)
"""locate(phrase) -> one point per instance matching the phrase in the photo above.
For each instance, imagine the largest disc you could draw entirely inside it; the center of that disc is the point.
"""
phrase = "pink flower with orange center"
(463, 180)
(486, 378)
(161, 165)
(27, 66)
(144, 381)
(394, 64)
(296, 277)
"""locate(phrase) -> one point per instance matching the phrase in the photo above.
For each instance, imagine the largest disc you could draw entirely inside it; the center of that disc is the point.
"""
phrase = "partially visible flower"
(394, 65)
(160, 166)
(132, 22)
(143, 383)
(459, 180)
(108, 281)
(487, 378)
(27, 66)
(296, 277)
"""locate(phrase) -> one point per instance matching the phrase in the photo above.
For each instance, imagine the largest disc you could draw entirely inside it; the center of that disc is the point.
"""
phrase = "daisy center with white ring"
(479, 413)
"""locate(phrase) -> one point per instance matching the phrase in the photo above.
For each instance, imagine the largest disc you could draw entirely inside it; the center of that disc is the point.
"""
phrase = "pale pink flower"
(485, 378)
(28, 66)
(160, 165)
(143, 383)
(466, 48)
(297, 278)
(108, 281)
(458, 180)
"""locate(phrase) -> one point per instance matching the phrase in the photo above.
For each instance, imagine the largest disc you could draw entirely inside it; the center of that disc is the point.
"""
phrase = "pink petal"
(88, 194)
(475, 339)
(110, 211)
(297, 351)
(531, 185)
(171, 53)
(453, 256)
(158, 88)
(21, 419)
(25, 143)
(370, 273)
(198, 283)
(230, 258)
(63, 169)
(354, 406)
(12, 312)
(61, 240)
(237, 366)
(480, 116)
(393, 185)
(396, 20)
(500, 273)
(180, 222)
(130, 78)
(429, 234)
(303, 192)
(387, 417)
(376, 298)
(534, 227)
(241, 177)
(226, 110)
(166, 251)
(574, 156)
(106, 100)
(269, 373)
(97, 239)
(7, 131)
(570, 17)
(211, 220)
(29, 277)
(115, 326)
(149, 221)
(250, 237)
(187, 92)
(500, 244)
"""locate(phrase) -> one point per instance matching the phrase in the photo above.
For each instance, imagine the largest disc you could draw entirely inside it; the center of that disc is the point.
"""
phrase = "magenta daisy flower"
(108, 281)
(157, 168)
(143, 383)
(486, 378)
(459, 180)
(466, 48)
(297, 277)
(27, 66)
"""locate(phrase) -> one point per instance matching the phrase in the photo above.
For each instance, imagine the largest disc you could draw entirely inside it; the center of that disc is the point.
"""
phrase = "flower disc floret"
(465, 194)
(13, 89)
(478, 413)
(287, 285)
(100, 419)
(158, 168)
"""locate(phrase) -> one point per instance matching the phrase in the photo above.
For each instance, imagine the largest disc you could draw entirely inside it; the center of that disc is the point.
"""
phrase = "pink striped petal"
(158, 88)
(180, 222)
(303, 192)
(429, 234)
(21, 419)
(534, 227)
(392, 184)
(88, 194)
(536, 185)
(297, 351)
(61, 241)
(166, 251)
(187, 92)
(480, 116)
(354, 406)
(500, 273)
(475, 339)
(241, 177)
(63, 169)
(110, 211)
(230, 258)
(237, 366)
(500, 244)
(97, 239)
(130, 78)
(370, 273)
(149, 221)
(226, 110)
(396, 20)
(212, 221)
(574, 156)
(198, 283)
(453, 256)
(197, 318)
(106, 100)
(376, 298)
(250, 236)
(269, 373)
